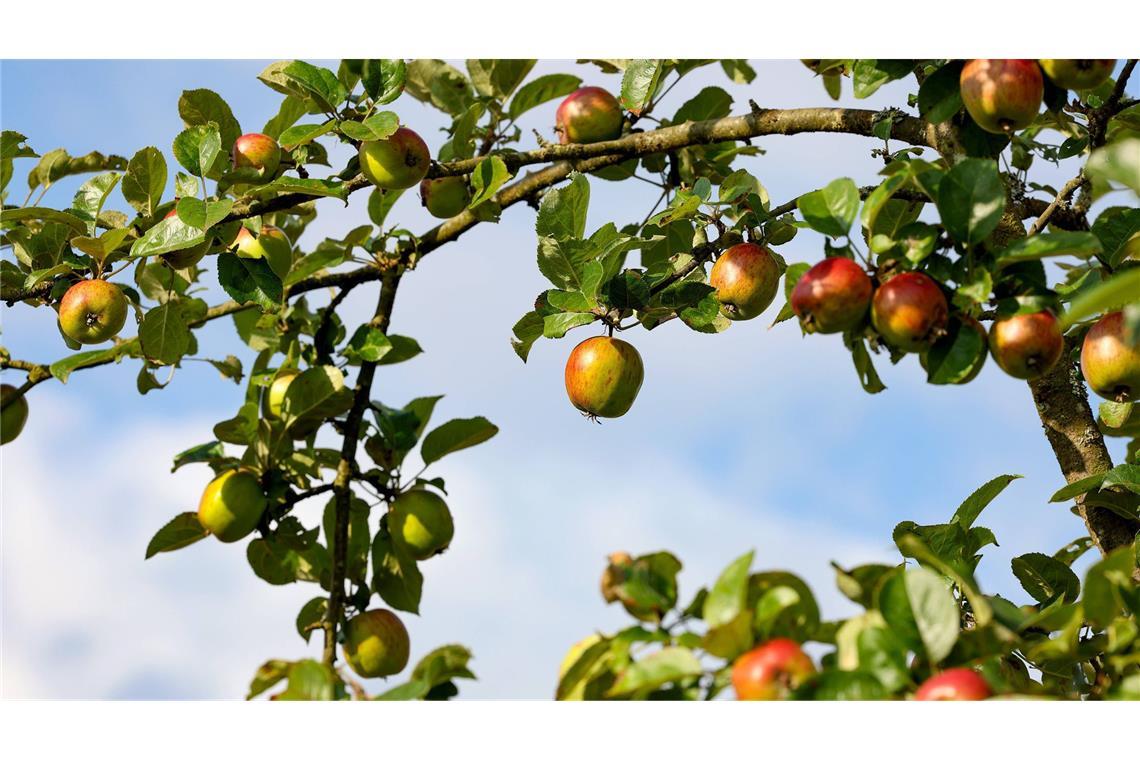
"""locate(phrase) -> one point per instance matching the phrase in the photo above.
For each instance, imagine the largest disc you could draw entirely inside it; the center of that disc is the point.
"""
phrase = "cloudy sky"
(754, 438)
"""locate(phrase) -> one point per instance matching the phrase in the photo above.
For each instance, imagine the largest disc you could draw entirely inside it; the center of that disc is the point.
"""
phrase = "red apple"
(746, 277)
(910, 312)
(603, 376)
(257, 151)
(588, 115)
(832, 296)
(771, 670)
(1002, 95)
(1110, 361)
(1027, 346)
(956, 684)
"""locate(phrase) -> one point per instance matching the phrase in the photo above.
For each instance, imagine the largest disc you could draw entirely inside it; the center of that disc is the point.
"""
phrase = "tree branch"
(1063, 195)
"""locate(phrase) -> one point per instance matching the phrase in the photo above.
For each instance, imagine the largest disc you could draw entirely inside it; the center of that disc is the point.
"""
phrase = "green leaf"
(498, 77)
(709, 103)
(832, 209)
(205, 452)
(378, 126)
(738, 70)
(368, 344)
(639, 83)
(920, 598)
(145, 180)
(383, 78)
(249, 280)
(182, 531)
(311, 615)
(1122, 288)
(322, 258)
(292, 108)
(1105, 582)
(62, 369)
(403, 348)
(670, 664)
(869, 75)
(196, 148)
(1080, 244)
(562, 213)
(845, 685)
(316, 392)
(316, 83)
(91, 196)
(971, 199)
(557, 325)
(318, 188)
(1045, 578)
(203, 215)
(455, 435)
(10, 215)
(201, 107)
(488, 177)
(164, 335)
(267, 676)
(729, 594)
(303, 134)
(969, 510)
(939, 96)
(395, 576)
(526, 331)
(1115, 231)
(1117, 162)
(541, 90)
(168, 235)
(309, 680)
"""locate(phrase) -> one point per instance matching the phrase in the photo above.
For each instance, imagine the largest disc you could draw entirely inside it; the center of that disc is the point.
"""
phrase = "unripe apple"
(275, 395)
(445, 197)
(232, 505)
(376, 644)
(14, 415)
(832, 296)
(954, 685)
(957, 323)
(1078, 73)
(257, 151)
(746, 277)
(187, 257)
(588, 115)
(1110, 361)
(1002, 94)
(92, 311)
(910, 312)
(420, 522)
(396, 163)
(771, 670)
(271, 244)
(1027, 346)
(603, 376)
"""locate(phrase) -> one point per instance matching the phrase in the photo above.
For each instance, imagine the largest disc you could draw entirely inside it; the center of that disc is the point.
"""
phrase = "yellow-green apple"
(92, 311)
(1002, 95)
(603, 376)
(746, 277)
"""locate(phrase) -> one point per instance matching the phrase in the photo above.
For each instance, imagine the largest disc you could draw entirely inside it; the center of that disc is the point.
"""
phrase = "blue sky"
(754, 438)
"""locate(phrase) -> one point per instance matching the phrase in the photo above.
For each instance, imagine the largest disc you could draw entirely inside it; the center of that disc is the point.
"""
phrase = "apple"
(421, 523)
(92, 311)
(1078, 73)
(445, 197)
(376, 644)
(746, 277)
(257, 151)
(953, 685)
(397, 162)
(1002, 95)
(910, 312)
(771, 670)
(13, 416)
(833, 296)
(271, 244)
(1110, 361)
(1027, 346)
(275, 395)
(603, 376)
(187, 257)
(232, 505)
(588, 115)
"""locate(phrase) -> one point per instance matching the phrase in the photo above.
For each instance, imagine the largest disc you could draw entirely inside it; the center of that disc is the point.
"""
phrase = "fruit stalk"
(347, 465)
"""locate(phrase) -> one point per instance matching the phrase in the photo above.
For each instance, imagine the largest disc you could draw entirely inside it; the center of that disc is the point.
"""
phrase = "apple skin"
(421, 523)
(1109, 362)
(954, 685)
(771, 670)
(445, 197)
(588, 115)
(187, 257)
(603, 376)
(376, 644)
(833, 296)
(746, 277)
(275, 395)
(271, 244)
(257, 151)
(910, 312)
(1026, 346)
(1078, 73)
(14, 416)
(92, 311)
(1002, 95)
(397, 163)
(232, 505)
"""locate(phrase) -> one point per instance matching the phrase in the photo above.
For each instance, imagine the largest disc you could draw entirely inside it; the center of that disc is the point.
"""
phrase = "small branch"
(1063, 196)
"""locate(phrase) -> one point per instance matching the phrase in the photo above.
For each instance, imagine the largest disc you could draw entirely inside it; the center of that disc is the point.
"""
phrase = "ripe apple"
(746, 277)
(376, 644)
(954, 685)
(232, 505)
(187, 257)
(1078, 73)
(1110, 362)
(910, 312)
(832, 296)
(92, 311)
(1027, 346)
(445, 197)
(271, 243)
(771, 670)
(275, 395)
(943, 345)
(396, 163)
(14, 415)
(588, 115)
(421, 523)
(603, 376)
(1002, 94)
(257, 151)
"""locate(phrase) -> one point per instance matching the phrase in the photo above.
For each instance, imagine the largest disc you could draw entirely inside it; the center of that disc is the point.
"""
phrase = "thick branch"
(342, 485)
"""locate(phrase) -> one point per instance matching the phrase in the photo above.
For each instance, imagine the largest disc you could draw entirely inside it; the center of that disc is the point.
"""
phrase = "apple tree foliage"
(952, 201)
